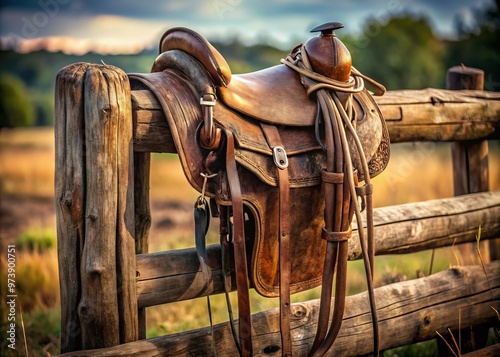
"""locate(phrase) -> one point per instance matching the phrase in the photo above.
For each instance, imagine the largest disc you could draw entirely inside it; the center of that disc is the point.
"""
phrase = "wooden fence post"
(470, 175)
(69, 197)
(94, 189)
(142, 169)
(470, 158)
(142, 162)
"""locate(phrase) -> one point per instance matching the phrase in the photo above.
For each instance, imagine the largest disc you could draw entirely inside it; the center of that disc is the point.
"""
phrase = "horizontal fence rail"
(411, 310)
(170, 276)
(411, 115)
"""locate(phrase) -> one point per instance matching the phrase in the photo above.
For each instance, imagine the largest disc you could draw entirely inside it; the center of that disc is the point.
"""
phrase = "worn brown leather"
(190, 42)
(296, 221)
(280, 158)
(283, 101)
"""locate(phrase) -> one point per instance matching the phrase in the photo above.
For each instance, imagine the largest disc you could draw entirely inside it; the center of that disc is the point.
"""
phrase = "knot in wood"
(301, 312)
(458, 271)
(271, 349)
(427, 320)
(66, 200)
(83, 311)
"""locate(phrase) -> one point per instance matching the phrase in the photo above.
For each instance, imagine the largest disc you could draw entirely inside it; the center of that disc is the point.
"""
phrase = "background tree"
(15, 107)
(402, 53)
(477, 44)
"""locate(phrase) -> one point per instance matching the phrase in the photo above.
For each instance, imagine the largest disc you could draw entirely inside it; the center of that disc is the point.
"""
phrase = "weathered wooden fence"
(106, 127)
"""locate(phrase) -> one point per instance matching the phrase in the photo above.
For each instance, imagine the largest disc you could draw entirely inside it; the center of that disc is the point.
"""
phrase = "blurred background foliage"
(401, 52)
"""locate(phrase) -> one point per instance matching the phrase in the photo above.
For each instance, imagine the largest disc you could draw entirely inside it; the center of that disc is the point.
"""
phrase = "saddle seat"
(273, 95)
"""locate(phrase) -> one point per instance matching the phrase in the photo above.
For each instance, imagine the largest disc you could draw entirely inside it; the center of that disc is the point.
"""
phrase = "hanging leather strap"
(281, 161)
(240, 256)
(340, 194)
(336, 231)
(226, 240)
(202, 224)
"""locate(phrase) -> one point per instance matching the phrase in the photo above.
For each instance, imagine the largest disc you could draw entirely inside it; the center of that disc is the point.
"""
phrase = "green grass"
(43, 329)
(36, 239)
(421, 349)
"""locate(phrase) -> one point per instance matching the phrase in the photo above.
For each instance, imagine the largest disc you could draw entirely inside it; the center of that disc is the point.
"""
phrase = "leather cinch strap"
(281, 161)
(240, 256)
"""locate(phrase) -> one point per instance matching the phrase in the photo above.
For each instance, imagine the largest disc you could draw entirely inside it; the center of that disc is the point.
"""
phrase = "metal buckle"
(207, 103)
(280, 158)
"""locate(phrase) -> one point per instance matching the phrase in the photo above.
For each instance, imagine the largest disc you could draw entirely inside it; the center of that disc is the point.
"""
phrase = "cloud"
(281, 22)
(153, 9)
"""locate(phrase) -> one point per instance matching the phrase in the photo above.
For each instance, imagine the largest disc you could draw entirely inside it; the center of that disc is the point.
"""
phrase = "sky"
(128, 26)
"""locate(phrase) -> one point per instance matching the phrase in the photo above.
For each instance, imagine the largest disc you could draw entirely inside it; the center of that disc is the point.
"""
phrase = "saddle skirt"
(241, 109)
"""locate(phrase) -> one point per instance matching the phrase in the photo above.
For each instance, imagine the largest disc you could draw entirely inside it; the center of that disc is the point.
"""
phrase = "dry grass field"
(419, 171)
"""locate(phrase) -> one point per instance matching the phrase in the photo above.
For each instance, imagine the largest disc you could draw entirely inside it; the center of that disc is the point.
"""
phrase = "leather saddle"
(264, 147)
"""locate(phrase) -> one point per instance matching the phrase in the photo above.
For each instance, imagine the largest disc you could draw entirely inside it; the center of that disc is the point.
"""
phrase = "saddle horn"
(328, 55)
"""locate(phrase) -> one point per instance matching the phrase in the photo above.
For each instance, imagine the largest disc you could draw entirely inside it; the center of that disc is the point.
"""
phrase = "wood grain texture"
(69, 196)
(95, 204)
(98, 307)
(411, 115)
(470, 170)
(470, 158)
(125, 234)
(431, 224)
(412, 310)
(142, 164)
(490, 351)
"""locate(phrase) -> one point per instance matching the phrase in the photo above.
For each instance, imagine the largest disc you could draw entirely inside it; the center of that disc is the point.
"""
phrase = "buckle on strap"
(210, 135)
(207, 103)
(336, 236)
(280, 158)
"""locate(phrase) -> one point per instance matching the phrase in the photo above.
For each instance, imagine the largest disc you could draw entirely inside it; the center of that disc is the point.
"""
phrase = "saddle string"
(368, 251)
(326, 344)
(301, 64)
(367, 245)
